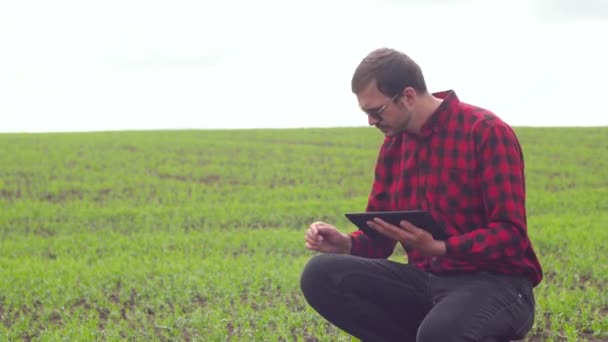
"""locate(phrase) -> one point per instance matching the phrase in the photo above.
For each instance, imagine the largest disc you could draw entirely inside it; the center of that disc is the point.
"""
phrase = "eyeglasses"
(376, 112)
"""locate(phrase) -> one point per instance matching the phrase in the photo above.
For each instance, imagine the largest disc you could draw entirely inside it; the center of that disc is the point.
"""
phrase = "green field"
(199, 235)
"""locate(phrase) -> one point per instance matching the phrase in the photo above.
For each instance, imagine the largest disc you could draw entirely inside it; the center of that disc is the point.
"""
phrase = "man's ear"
(409, 96)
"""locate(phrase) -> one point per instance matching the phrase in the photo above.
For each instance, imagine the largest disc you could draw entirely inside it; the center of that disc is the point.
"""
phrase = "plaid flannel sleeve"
(376, 247)
(503, 189)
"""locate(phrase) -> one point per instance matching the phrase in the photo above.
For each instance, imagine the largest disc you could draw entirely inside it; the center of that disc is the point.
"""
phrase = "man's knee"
(315, 274)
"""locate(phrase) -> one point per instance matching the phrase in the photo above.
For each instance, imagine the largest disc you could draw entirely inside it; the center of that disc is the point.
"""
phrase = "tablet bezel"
(419, 218)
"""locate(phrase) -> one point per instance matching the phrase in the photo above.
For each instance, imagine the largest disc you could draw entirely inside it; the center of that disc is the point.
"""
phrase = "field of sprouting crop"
(199, 235)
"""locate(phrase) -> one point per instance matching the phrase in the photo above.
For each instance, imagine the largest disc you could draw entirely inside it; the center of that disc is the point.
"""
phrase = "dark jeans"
(382, 300)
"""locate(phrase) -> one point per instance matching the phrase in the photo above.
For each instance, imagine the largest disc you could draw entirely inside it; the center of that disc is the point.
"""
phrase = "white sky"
(124, 64)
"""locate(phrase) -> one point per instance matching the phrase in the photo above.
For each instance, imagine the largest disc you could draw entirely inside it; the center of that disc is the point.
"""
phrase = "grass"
(198, 235)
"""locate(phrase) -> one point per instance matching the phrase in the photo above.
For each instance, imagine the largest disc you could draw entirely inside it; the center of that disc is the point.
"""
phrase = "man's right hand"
(325, 238)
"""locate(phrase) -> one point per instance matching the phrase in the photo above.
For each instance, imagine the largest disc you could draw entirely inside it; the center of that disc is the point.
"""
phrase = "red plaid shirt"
(467, 170)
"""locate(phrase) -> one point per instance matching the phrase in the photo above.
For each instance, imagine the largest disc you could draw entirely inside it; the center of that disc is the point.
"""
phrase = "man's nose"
(372, 120)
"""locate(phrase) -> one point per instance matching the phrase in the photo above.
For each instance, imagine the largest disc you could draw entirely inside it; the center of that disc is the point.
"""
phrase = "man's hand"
(325, 238)
(410, 236)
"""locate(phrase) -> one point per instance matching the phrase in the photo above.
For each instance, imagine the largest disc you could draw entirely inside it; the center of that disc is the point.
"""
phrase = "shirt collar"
(439, 117)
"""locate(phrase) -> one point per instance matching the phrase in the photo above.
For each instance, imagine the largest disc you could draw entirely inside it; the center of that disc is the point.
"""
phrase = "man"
(465, 166)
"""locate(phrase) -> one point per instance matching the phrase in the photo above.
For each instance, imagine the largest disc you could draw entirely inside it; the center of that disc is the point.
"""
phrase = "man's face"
(390, 115)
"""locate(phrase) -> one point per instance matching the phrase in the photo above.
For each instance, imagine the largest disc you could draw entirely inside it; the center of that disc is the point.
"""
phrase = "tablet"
(419, 218)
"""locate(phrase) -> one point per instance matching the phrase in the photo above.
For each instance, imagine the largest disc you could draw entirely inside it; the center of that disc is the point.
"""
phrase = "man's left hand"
(411, 236)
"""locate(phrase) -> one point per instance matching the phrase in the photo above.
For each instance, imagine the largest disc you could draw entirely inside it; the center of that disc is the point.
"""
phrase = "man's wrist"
(348, 245)
(440, 248)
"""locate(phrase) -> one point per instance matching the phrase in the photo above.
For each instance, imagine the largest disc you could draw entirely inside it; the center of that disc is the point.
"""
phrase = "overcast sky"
(123, 64)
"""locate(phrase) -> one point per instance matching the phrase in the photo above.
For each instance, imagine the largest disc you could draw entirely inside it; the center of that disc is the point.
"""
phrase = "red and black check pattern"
(467, 169)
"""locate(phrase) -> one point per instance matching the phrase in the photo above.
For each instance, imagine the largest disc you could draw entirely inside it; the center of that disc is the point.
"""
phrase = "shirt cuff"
(458, 246)
(356, 245)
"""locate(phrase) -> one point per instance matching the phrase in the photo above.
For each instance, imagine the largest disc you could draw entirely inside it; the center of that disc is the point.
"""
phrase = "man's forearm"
(363, 245)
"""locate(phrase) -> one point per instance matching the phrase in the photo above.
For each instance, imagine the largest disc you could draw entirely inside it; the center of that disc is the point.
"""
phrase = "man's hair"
(392, 70)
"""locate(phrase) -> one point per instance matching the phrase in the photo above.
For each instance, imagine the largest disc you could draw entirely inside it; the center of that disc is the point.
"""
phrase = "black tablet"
(419, 218)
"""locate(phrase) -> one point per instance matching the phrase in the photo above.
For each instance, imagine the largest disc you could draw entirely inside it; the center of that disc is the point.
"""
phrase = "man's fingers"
(312, 235)
(311, 246)
(383, 228)
(408, 226)
(315, 233)
(325, 230)
(314, 246)
(323, 227)
(314, 238)
(411, 229)
(319, 227)
(396, 233)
